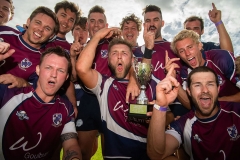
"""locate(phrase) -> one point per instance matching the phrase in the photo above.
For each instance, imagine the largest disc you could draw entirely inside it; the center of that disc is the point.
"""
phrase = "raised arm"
(159, 144)
(224, 38)
(149, 38)
(75, 50)
(84, 63)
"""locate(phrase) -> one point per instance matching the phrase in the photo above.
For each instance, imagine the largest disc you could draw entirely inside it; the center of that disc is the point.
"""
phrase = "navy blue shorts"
(89, 116)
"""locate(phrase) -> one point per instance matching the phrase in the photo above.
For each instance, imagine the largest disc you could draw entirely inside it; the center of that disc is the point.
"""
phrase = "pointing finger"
(76, 37)
(166, 57)
(213, 5)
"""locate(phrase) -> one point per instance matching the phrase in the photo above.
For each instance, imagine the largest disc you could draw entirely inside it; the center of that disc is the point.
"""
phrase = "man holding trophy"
(122, 139)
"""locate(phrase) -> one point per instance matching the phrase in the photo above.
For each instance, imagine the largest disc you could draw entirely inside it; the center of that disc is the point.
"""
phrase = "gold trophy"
(138, 111)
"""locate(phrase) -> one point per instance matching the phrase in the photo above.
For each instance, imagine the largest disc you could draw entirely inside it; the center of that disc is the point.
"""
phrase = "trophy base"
(137, 112)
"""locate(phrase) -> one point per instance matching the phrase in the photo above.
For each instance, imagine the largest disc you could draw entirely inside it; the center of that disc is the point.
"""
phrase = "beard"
(201, 112)
(119, 75)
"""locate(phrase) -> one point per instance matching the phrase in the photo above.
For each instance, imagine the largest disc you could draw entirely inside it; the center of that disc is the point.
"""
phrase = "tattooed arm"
(71, 149)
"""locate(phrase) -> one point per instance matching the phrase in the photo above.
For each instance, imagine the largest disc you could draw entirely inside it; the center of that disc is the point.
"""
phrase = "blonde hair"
(183, 35)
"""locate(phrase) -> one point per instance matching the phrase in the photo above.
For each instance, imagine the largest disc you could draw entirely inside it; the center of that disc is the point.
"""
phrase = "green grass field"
(98, 154)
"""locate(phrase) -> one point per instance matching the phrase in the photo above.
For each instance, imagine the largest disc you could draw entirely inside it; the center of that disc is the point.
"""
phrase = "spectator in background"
(196, 24)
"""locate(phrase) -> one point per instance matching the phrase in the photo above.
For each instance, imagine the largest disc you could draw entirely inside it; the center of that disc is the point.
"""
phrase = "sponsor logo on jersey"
(197, 138)
(233, 133)
(24, 64)
(104, 53)
(22, 115)
(57, 119)
(79, 123)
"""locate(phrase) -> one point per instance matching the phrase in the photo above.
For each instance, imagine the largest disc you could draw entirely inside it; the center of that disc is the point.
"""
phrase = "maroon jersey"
(214, 138)
(158, 59)
(100, 62)
(29, 127)
(25, 59)
(122, 139)
(59, 42)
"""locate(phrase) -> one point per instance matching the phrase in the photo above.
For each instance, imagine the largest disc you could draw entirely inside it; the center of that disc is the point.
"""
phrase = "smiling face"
(66, 20)
(52, 73)
(120, 60)
(5, 12)
(190, 52)
(155, 23)
(130, 32)
(204, 93)
(96, 21)
(40, 29)
(195, 26)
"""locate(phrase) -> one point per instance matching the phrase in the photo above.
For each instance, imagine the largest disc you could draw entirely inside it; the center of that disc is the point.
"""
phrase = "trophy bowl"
(143, 74)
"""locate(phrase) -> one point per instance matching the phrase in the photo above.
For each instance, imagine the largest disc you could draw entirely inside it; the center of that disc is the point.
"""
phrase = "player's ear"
(67, 76)
(189, 92)
(163, 23)
(28, 21)
(37, 70)
(106, 25)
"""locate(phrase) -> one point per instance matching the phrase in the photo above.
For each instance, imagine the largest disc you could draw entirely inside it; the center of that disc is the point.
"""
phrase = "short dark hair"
(12, 7)
(201, 69)
(97, 9)
(73, 7)
(132, 18)
(195, 18)
(81, 22)
(49, 12)
(116, 41)
(152, 8)
(60, 52)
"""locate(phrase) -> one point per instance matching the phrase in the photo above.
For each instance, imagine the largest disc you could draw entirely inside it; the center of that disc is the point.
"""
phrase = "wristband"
(218, 23)
(160, 108)
(148, 53)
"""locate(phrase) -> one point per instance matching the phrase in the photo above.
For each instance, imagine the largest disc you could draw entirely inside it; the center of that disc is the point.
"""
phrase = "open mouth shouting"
(205, 101)
(192, 62)
(119, 67)
(51, 83)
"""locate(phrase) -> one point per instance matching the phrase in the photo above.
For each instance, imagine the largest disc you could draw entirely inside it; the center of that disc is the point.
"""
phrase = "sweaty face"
(130, 32)
(155, 23)
(120, 60)
(52, 74)
(66, 20)
(96, 21)
(204, 93)
(40, 29)
(5, 12)
(195, 26)
(80, 34)
(190, 52)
